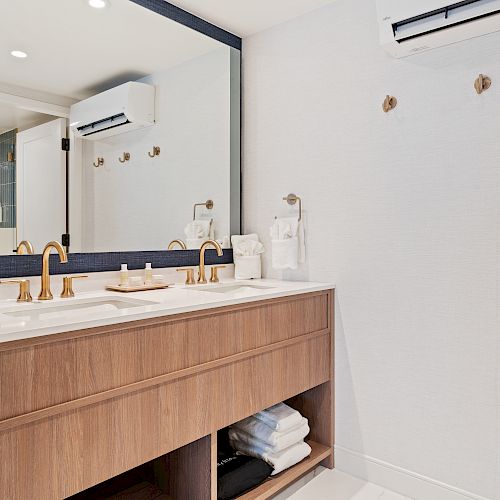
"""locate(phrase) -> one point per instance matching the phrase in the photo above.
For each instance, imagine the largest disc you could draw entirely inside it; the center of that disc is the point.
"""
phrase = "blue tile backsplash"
(31, 265)
(8, 180)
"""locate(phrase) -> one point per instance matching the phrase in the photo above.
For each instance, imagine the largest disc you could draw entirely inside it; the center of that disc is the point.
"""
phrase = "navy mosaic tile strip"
(181, 16)
(31, 265)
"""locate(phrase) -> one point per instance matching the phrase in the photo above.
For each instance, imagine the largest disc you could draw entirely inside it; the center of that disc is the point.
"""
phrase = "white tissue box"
(247, 267)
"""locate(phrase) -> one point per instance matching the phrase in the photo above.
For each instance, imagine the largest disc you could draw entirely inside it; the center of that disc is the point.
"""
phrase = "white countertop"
(174, 300)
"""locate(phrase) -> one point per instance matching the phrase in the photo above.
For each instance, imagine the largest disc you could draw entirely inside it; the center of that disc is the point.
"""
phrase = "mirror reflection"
(149, 110)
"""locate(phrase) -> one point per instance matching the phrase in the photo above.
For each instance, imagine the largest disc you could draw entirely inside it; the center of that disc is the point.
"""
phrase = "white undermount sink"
(72, 310)
(231, 288)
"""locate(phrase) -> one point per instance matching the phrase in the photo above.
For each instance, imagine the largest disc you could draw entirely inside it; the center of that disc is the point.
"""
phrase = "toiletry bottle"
(148, 274)
(124, 275)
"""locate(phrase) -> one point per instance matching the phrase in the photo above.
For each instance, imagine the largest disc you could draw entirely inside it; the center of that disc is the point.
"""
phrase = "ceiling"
(76, 51)
(12, 117)
(246, 17)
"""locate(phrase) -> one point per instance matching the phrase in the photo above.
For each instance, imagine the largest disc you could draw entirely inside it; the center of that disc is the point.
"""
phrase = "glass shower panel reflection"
(7, 192)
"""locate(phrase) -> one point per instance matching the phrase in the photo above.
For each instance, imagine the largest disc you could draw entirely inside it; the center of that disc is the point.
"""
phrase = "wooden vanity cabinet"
(79, 408)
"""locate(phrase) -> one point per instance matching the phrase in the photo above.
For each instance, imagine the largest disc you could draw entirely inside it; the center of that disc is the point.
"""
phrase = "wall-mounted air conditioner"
(121, 109)
(411, 26)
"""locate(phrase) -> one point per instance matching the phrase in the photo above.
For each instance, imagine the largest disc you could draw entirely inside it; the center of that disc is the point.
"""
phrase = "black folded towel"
(236, 474)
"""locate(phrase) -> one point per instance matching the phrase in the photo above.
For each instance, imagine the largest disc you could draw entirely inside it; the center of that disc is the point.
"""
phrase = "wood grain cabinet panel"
(80, 408)
(60, 369)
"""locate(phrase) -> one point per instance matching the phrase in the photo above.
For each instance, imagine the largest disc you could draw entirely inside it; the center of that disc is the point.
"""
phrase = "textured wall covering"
(403, 214)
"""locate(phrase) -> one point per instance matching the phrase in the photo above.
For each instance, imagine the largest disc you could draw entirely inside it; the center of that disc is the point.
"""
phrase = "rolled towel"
(198, 229)
(278, 461)
(253, 431)
(280, 417)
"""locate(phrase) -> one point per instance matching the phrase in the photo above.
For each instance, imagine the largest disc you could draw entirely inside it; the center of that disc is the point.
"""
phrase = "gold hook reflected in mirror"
(390, 102)
(482, 83)
(125, 157)
(100, 162)
(156, 152)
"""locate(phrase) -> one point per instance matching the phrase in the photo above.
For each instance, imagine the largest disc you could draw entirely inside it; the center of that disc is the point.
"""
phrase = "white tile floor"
(335, 485)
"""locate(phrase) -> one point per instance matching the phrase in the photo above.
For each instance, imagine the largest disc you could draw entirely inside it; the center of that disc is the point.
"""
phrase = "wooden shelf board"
(275, 484)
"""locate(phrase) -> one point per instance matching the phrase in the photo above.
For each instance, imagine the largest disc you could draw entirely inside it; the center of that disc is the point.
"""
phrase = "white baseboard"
(397, 479)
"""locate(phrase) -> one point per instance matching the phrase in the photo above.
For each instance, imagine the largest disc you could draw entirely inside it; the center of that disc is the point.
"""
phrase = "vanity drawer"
(65, 367)
(77, 449)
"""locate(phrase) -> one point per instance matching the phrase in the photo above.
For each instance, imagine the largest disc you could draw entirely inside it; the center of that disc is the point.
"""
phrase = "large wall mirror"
(151, 111)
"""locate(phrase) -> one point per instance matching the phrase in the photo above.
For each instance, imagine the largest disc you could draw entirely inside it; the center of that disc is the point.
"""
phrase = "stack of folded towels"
(275, 435)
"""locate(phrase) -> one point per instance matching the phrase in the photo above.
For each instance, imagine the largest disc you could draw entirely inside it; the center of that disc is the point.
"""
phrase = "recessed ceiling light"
(19, 53)
(98, 4)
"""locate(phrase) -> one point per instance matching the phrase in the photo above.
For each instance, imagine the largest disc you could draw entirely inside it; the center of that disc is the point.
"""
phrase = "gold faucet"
(172, 244)
(25, 245)
(45, 293)
(202, 279)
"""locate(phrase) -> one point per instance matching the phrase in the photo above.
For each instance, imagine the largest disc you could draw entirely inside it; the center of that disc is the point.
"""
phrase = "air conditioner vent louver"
(410, 27)
(104, 124)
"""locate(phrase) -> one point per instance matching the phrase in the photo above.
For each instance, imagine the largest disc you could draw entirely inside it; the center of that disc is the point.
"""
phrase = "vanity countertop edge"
(178, 299)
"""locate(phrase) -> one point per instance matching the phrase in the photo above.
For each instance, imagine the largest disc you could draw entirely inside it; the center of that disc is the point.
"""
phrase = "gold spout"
(180, 243)
(25, 245)
(202, 279)
(45, 293)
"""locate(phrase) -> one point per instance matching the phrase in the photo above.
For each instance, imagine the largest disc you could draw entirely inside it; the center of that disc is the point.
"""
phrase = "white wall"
(7, 241)
(145, 203)
(403, 215)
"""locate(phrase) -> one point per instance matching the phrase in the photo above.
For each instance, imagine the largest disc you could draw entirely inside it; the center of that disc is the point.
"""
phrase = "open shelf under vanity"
(190, 472)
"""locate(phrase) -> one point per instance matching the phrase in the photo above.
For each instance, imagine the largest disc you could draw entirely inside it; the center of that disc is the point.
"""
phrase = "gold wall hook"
(100, 162)
(482, 83)
(156, 152)
(390, 102)
(125, 157)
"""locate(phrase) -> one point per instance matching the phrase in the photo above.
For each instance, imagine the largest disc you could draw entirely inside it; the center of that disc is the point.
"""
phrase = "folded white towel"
(279, 461)
(285, 254)
(280, 417)
(247, 267)
(288, 243)
(246, 245)
(195, 243)
(254, 432)
(247, 250)
(199, 228)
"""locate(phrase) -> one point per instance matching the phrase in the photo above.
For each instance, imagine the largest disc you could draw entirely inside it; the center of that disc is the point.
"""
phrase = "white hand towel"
(1, 213)
(195, 243)
(247, 262)
(197, 229)
(288, 243)
(280, 417)
(285, 254)
(256, 433)
(279, 461)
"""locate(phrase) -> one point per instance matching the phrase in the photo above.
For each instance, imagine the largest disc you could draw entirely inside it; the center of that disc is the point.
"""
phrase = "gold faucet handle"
(189, 275)
(24, 289)
(68, 286)
(214, 278)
